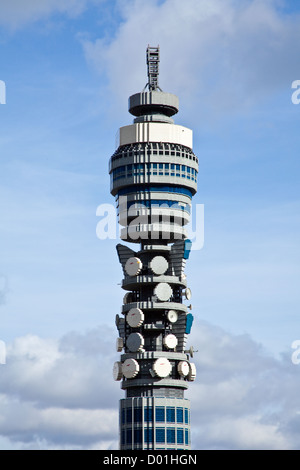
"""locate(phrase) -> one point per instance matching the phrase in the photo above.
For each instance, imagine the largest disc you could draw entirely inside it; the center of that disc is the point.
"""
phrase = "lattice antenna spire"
(152, 55)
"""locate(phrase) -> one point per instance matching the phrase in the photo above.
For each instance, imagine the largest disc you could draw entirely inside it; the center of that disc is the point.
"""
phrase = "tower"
(153, 178)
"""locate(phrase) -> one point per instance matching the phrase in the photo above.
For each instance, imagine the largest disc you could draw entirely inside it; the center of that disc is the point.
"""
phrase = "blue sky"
(69, 67)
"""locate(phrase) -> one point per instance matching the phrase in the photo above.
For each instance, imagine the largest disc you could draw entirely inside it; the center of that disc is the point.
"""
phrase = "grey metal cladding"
(124, 253)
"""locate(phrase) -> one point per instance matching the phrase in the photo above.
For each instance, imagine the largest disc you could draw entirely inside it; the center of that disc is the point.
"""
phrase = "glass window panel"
(180, 436)
(148, 435)
(138, 436)
(128, 415)
(148, 414)
(171, 435)
(170, 414)
(129, 436)
(138, 415)
(160, 414)
(179, 413)
(160, 435)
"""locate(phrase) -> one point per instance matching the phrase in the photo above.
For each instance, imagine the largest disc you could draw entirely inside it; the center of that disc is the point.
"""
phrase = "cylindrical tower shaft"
(153, 178)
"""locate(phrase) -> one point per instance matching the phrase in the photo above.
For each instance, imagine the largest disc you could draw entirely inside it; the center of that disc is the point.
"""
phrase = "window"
(148, 414)
(160, 435)
(160, 414)
(186, 416)
(128, 415)
(180, 436)
(148, 435)
(179, 413)
(171, 435)
(138, 436)
(170, 414)
(186, 437)
(129, 436)
(138, 415)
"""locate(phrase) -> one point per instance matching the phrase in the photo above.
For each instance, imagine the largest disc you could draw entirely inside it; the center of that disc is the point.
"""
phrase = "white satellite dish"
(188, 293)
(119, 344)
(128, 297)
(172, 316)
(130, 368)
(133, 266)
(170, 341)
(135, 342)
(135, 317)
(117, 371)
(163, 291)
(183, 368)
(162, 367)
(192, 372)
(159, 265)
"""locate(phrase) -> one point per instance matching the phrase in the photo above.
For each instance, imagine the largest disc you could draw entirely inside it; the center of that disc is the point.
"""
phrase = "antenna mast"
(153, 68)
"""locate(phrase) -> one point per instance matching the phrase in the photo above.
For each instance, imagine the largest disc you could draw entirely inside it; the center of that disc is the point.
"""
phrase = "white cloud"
(230, 54)
(59, 394)
(243, 397)
(82, 362)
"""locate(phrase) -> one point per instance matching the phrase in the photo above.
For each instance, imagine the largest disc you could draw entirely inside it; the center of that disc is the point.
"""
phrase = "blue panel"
(179, 413)
(186, 416)
(129, 415)
(160, 414)
(170, 414)
(129, 436)
(171, 435)
(143, 188)
(137, 415)
(180, 436)
(148, 435)
(187, 249)
(160, 435)
(189, 322)
(138, 436)
(148, 414)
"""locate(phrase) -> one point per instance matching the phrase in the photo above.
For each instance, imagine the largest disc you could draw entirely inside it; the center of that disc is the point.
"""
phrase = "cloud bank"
(59, 394)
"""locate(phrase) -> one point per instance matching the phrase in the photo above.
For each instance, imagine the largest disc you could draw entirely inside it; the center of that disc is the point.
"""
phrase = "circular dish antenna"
(172, 316)
(162, 367)
(130, 368)
(128, 297)
(135, 342)
(192, 372)
(170, 341)
(135, 317)
(119, 344)
(159, 265)
(183, 368)
(117, 371)
(163, 291)
(133, 266)
(188, 293)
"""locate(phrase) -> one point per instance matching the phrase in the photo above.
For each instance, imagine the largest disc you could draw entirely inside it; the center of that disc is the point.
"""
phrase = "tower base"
(155, 423)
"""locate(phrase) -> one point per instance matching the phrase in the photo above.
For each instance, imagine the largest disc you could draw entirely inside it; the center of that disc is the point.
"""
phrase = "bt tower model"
(153, 178)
